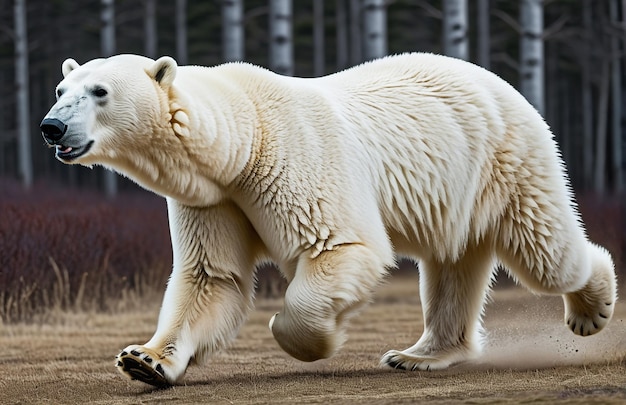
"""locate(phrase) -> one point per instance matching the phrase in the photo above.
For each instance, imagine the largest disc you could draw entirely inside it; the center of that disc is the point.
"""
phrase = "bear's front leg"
(325, 292)
(208, 296)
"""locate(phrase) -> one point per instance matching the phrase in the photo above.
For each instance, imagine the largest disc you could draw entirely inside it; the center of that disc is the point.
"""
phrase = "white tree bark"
(150, 29)
(181, 32)
(281, 41)
(455, 29)
(531, 53)
(483, 36)
(318, 38)
(22, 94)
(107, 47)
(375, 29)
(233, 45)
(107, 30)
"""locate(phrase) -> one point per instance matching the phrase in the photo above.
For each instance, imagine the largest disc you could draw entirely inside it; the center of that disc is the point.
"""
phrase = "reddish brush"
(72, 248)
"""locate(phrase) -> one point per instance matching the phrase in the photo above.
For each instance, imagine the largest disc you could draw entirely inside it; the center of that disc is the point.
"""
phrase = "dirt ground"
(531, 356)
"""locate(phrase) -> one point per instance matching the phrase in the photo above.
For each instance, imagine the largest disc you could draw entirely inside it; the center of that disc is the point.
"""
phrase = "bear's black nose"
(52, 129)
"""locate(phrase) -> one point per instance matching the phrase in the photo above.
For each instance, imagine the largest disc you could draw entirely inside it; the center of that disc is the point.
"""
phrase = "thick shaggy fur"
(332, 178)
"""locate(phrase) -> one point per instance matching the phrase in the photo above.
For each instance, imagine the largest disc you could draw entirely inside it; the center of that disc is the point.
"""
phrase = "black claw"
(395, 365)
(119, 363)
(573, 327)
(148, 359)
(159, 369)
(123, 354)
(428, 367)
(608, 304)
(135, 353)
(602, 315)
(581, 330)
(595, 325)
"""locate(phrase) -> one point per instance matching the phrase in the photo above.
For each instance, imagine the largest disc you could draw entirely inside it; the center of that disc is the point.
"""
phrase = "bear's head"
(106, 107)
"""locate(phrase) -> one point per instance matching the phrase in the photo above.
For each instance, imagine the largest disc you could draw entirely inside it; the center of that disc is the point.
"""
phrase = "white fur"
(417, 155)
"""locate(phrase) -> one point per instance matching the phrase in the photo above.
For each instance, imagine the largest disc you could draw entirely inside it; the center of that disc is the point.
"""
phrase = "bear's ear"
(163, 71)
(68, 65)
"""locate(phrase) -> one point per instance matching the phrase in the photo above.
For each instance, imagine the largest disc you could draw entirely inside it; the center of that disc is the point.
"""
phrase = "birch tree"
(181, 32)
(455, 29)
(22, 94)
(599, 178)
(531, 52)
(341, 24)
(150, 29)
(356, 54)
(483, 34)
(318, 38)
(107, 47)
(616, 99)
(232, 31)
(375, 29)
(281, 41)
(586, 87)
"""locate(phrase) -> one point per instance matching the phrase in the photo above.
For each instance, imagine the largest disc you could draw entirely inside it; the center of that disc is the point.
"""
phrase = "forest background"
(74, 238)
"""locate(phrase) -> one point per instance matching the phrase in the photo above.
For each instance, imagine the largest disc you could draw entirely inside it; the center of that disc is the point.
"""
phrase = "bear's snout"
(52, 130)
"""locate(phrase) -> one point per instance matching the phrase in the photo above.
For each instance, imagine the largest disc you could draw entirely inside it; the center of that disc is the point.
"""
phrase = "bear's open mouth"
(69, 153)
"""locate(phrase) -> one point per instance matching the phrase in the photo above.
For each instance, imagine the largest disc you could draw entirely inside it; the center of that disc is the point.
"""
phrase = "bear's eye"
(99, 92)
(59, 92)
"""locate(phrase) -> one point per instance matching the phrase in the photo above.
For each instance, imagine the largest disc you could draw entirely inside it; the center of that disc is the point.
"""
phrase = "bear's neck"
(193, 157)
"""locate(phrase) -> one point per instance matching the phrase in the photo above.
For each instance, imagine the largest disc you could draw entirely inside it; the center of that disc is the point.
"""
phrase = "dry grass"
(531, 357)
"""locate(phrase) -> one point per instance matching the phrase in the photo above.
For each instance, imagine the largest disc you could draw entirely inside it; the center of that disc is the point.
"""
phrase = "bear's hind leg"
(571, 266)
(452, 296)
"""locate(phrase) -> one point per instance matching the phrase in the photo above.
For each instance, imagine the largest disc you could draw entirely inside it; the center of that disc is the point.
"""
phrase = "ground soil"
(530, 356)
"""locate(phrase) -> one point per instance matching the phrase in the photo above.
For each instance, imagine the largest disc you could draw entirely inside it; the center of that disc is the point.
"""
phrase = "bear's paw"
(140, 363)
(405, 361)
(589, 310)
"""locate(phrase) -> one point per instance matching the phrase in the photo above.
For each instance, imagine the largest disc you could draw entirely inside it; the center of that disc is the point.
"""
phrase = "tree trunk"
(181, 32)
(150, 29)
(107, 31)
(318, 38)
(483, 34)
(531, 53)
(232, 31)
(587, 96)
(455, 29)
(341, 24)
(616, 102)
(107, 47)
(566, 120)
(375, 27)
(356, 54)
(599, 182)
(22, 94)
(281, 42)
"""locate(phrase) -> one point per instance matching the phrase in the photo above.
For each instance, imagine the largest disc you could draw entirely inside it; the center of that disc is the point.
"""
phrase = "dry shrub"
(73, 250)
(604, 218)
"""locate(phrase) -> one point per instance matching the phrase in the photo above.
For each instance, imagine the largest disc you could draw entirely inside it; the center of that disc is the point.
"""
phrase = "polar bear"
(333, 178)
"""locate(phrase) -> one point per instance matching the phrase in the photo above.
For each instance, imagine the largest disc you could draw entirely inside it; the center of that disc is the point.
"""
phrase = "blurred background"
(78, 238)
